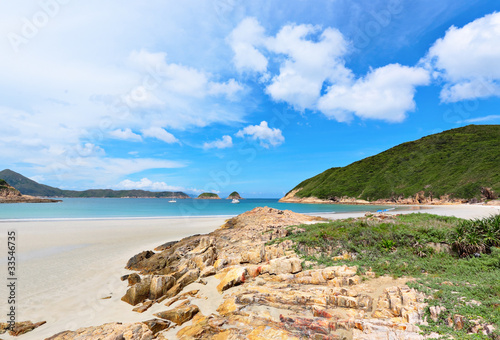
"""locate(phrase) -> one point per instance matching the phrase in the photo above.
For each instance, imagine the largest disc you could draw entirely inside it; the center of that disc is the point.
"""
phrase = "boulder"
(180, 314)
(135, 261)
(234, 277)
(133, 278)
(284, 265)
(138, 292)
(24, 327)
(188, 278)
(157, 325)
(160, 284)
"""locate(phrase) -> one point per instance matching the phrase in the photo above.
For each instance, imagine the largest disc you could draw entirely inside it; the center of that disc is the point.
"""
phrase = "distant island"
(208, 196)
(456, 166)
(9, 194)
(27, 186)
(234, 195)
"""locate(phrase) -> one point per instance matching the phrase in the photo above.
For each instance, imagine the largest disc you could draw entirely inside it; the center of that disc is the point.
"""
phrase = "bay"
(104, 208)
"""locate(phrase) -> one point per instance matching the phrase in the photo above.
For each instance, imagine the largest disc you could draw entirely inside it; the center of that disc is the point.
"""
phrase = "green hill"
(29, 187)
(208, 195)
(234, 195)
(462, 163)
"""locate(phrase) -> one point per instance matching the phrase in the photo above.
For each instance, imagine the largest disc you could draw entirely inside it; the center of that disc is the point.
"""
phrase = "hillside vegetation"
(462, 163)
(29, 187)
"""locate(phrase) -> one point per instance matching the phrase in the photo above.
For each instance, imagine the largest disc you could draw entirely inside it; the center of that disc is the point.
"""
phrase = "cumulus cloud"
(385, 93)
(308, 64)
(244, 40)
(263, 133)
(225, 142)
(312, 74)
(467, 60)
(159, 133)
(125, 134)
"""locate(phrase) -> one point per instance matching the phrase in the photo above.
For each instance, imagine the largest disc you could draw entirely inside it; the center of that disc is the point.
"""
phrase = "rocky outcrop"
(19, 328)
(116, 330)
(265, 291)
(9, 194)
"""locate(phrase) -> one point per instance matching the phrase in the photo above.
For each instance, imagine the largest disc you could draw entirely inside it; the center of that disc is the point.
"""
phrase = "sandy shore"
(66, 268)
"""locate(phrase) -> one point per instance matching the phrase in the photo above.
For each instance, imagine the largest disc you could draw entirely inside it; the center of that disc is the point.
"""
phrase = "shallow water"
(103, 208)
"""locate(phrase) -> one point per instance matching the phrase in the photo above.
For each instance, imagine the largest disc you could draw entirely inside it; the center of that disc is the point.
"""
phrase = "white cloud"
(489, 118)
(263, 133)
(467, 60)
(230, 88)
(243, 40)
(159, 133)
(385, 93)
(125, 134)
(311, 59)
(147, 184)
(60, 93)
(308, 64)
(225, 142)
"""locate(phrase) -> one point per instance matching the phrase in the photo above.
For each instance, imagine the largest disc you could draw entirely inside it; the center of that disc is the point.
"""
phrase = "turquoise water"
(98, 208)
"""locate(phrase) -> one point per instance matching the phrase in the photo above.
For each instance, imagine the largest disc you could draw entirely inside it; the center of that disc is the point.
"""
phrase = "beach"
(68, 271)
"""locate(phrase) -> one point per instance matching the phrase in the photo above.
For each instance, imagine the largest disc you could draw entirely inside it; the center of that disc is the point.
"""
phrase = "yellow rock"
(266, 333)
(227, 307)
(234, 277)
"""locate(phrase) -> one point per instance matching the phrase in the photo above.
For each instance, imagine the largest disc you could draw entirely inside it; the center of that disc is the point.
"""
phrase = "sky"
(229, 95)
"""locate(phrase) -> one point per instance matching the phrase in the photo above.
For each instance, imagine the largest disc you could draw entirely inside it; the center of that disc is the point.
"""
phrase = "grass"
(406, 246)
(459, 162)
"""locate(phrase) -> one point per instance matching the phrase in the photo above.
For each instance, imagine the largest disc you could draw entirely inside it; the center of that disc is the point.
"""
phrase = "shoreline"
(66, 268)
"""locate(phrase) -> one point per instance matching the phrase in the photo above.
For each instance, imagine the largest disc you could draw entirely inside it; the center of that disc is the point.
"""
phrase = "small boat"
(235, 201)
(172, 201)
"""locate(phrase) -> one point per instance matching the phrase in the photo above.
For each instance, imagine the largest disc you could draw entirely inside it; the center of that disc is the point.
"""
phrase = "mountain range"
(29, 187)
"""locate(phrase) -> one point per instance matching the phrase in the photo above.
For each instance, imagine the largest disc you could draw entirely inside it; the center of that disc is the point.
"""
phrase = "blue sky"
(224, 95)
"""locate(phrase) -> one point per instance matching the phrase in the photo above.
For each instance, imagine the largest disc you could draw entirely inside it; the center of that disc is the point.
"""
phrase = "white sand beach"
(66, 268)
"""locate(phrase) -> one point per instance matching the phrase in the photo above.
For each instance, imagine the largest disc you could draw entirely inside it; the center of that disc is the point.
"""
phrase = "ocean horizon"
(132, 208)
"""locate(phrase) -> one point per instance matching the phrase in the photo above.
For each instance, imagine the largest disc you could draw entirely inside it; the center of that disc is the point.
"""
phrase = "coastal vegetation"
(460, 163)
(29, 187)
(456, 262)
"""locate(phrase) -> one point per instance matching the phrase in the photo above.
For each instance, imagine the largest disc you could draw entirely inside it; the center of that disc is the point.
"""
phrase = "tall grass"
(476, 236)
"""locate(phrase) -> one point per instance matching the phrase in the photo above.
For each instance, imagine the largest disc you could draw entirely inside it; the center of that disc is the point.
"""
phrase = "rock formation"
(266, 292)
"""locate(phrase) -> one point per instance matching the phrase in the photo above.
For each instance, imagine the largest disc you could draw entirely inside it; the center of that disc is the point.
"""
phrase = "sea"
(127, 208)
